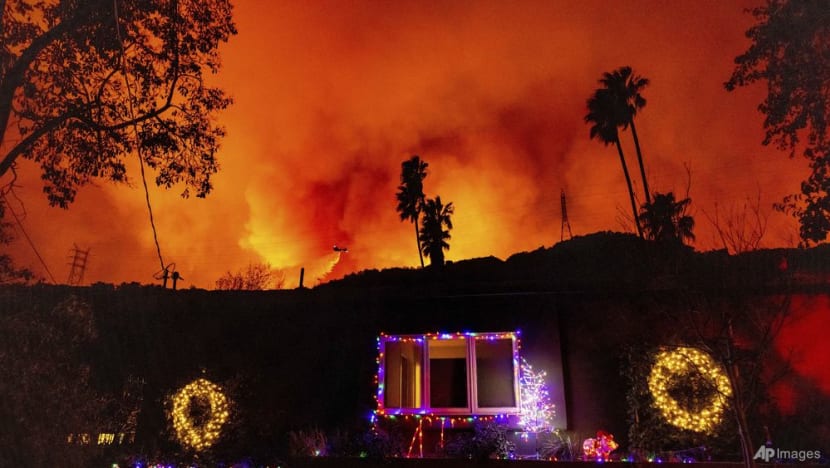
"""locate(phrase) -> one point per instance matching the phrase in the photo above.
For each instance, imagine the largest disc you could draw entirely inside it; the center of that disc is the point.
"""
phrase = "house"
(307, 358)
(440, 382)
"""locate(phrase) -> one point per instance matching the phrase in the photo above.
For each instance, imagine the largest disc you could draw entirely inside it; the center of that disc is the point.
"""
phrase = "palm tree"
(665, 219)
(433, 236)
(603, 117)
(625, 86)
(411, 194)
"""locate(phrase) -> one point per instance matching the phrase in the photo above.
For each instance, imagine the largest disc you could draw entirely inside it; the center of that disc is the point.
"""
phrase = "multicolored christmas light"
(536, 409)
(432, 415)
(599, 449)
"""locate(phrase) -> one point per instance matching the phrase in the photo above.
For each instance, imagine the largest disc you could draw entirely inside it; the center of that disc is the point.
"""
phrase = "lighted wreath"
(682, 363)
(199, 411)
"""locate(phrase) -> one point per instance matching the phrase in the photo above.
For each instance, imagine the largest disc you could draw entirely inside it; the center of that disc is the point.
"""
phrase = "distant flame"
(315, 271)
(315, 140)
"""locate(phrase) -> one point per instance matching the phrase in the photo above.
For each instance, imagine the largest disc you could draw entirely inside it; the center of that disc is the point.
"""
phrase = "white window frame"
(472, 408)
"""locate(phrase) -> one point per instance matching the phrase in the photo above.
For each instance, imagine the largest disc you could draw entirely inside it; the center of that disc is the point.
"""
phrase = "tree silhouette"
(411, 194)
(740, 229)
(433, 237)
(8, 272)
(83, 84)
(254, 277)
(46, 379)
(665, 219)
(603, 115)
(790, 51)
(625, 87)
(740, 333)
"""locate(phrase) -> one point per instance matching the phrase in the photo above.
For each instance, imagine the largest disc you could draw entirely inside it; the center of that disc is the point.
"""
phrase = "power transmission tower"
(565, 222)
(77, 265)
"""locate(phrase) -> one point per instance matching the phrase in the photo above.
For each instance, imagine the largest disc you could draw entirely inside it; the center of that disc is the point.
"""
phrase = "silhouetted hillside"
(606, 262)
(307, 357)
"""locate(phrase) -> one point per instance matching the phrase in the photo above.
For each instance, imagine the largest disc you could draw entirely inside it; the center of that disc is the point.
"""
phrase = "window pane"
(495, 373)
(403, 374)
(448, 373)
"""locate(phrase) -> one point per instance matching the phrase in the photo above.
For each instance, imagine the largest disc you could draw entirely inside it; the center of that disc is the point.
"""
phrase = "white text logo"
(768, 453)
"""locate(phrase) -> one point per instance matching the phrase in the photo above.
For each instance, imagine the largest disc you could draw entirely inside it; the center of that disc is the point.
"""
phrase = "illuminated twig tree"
(537, 410)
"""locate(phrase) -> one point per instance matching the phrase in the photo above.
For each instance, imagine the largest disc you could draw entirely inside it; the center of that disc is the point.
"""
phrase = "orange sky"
(330, 97)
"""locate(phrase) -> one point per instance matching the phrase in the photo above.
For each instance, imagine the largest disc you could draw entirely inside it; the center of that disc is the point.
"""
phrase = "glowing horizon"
(330, 98)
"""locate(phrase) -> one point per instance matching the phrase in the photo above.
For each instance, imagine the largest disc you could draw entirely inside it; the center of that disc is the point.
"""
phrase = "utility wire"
(135, 131)
(28, 239)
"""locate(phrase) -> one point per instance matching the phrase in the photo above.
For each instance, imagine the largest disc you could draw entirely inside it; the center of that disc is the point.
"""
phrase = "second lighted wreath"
(199, 435)
(676, 364)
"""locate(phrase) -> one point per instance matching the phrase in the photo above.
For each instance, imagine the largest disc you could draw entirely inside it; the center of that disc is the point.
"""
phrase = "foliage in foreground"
(49, 395)
(85, 84)
(790, 54)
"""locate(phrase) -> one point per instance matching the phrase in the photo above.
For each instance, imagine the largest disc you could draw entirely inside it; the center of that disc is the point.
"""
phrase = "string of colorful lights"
(535, 412)
(383, 411)
(536, 409)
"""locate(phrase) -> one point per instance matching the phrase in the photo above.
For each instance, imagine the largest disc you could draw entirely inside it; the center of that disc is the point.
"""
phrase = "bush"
(308, 443)
(488, 440)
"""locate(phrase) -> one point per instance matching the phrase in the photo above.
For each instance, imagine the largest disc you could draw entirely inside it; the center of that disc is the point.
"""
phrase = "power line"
(135, 132)
(28, 239)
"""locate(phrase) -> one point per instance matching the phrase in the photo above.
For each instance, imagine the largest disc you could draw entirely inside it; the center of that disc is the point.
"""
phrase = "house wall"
(304, 359)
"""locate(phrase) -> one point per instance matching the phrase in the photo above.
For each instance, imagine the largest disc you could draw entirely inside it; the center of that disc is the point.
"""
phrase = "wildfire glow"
(330, 97)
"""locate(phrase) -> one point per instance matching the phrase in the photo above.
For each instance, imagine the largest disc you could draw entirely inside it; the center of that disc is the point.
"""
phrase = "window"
(403, 374)
(448, 373)
(452, 374)
(495, 374)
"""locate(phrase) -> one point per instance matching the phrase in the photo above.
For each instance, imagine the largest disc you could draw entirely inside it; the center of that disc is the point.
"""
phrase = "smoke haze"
(330, 98)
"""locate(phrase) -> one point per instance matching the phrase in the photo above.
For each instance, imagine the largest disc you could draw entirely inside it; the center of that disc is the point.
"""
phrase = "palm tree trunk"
(640, 160)
(418, 240)
(630, 188)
